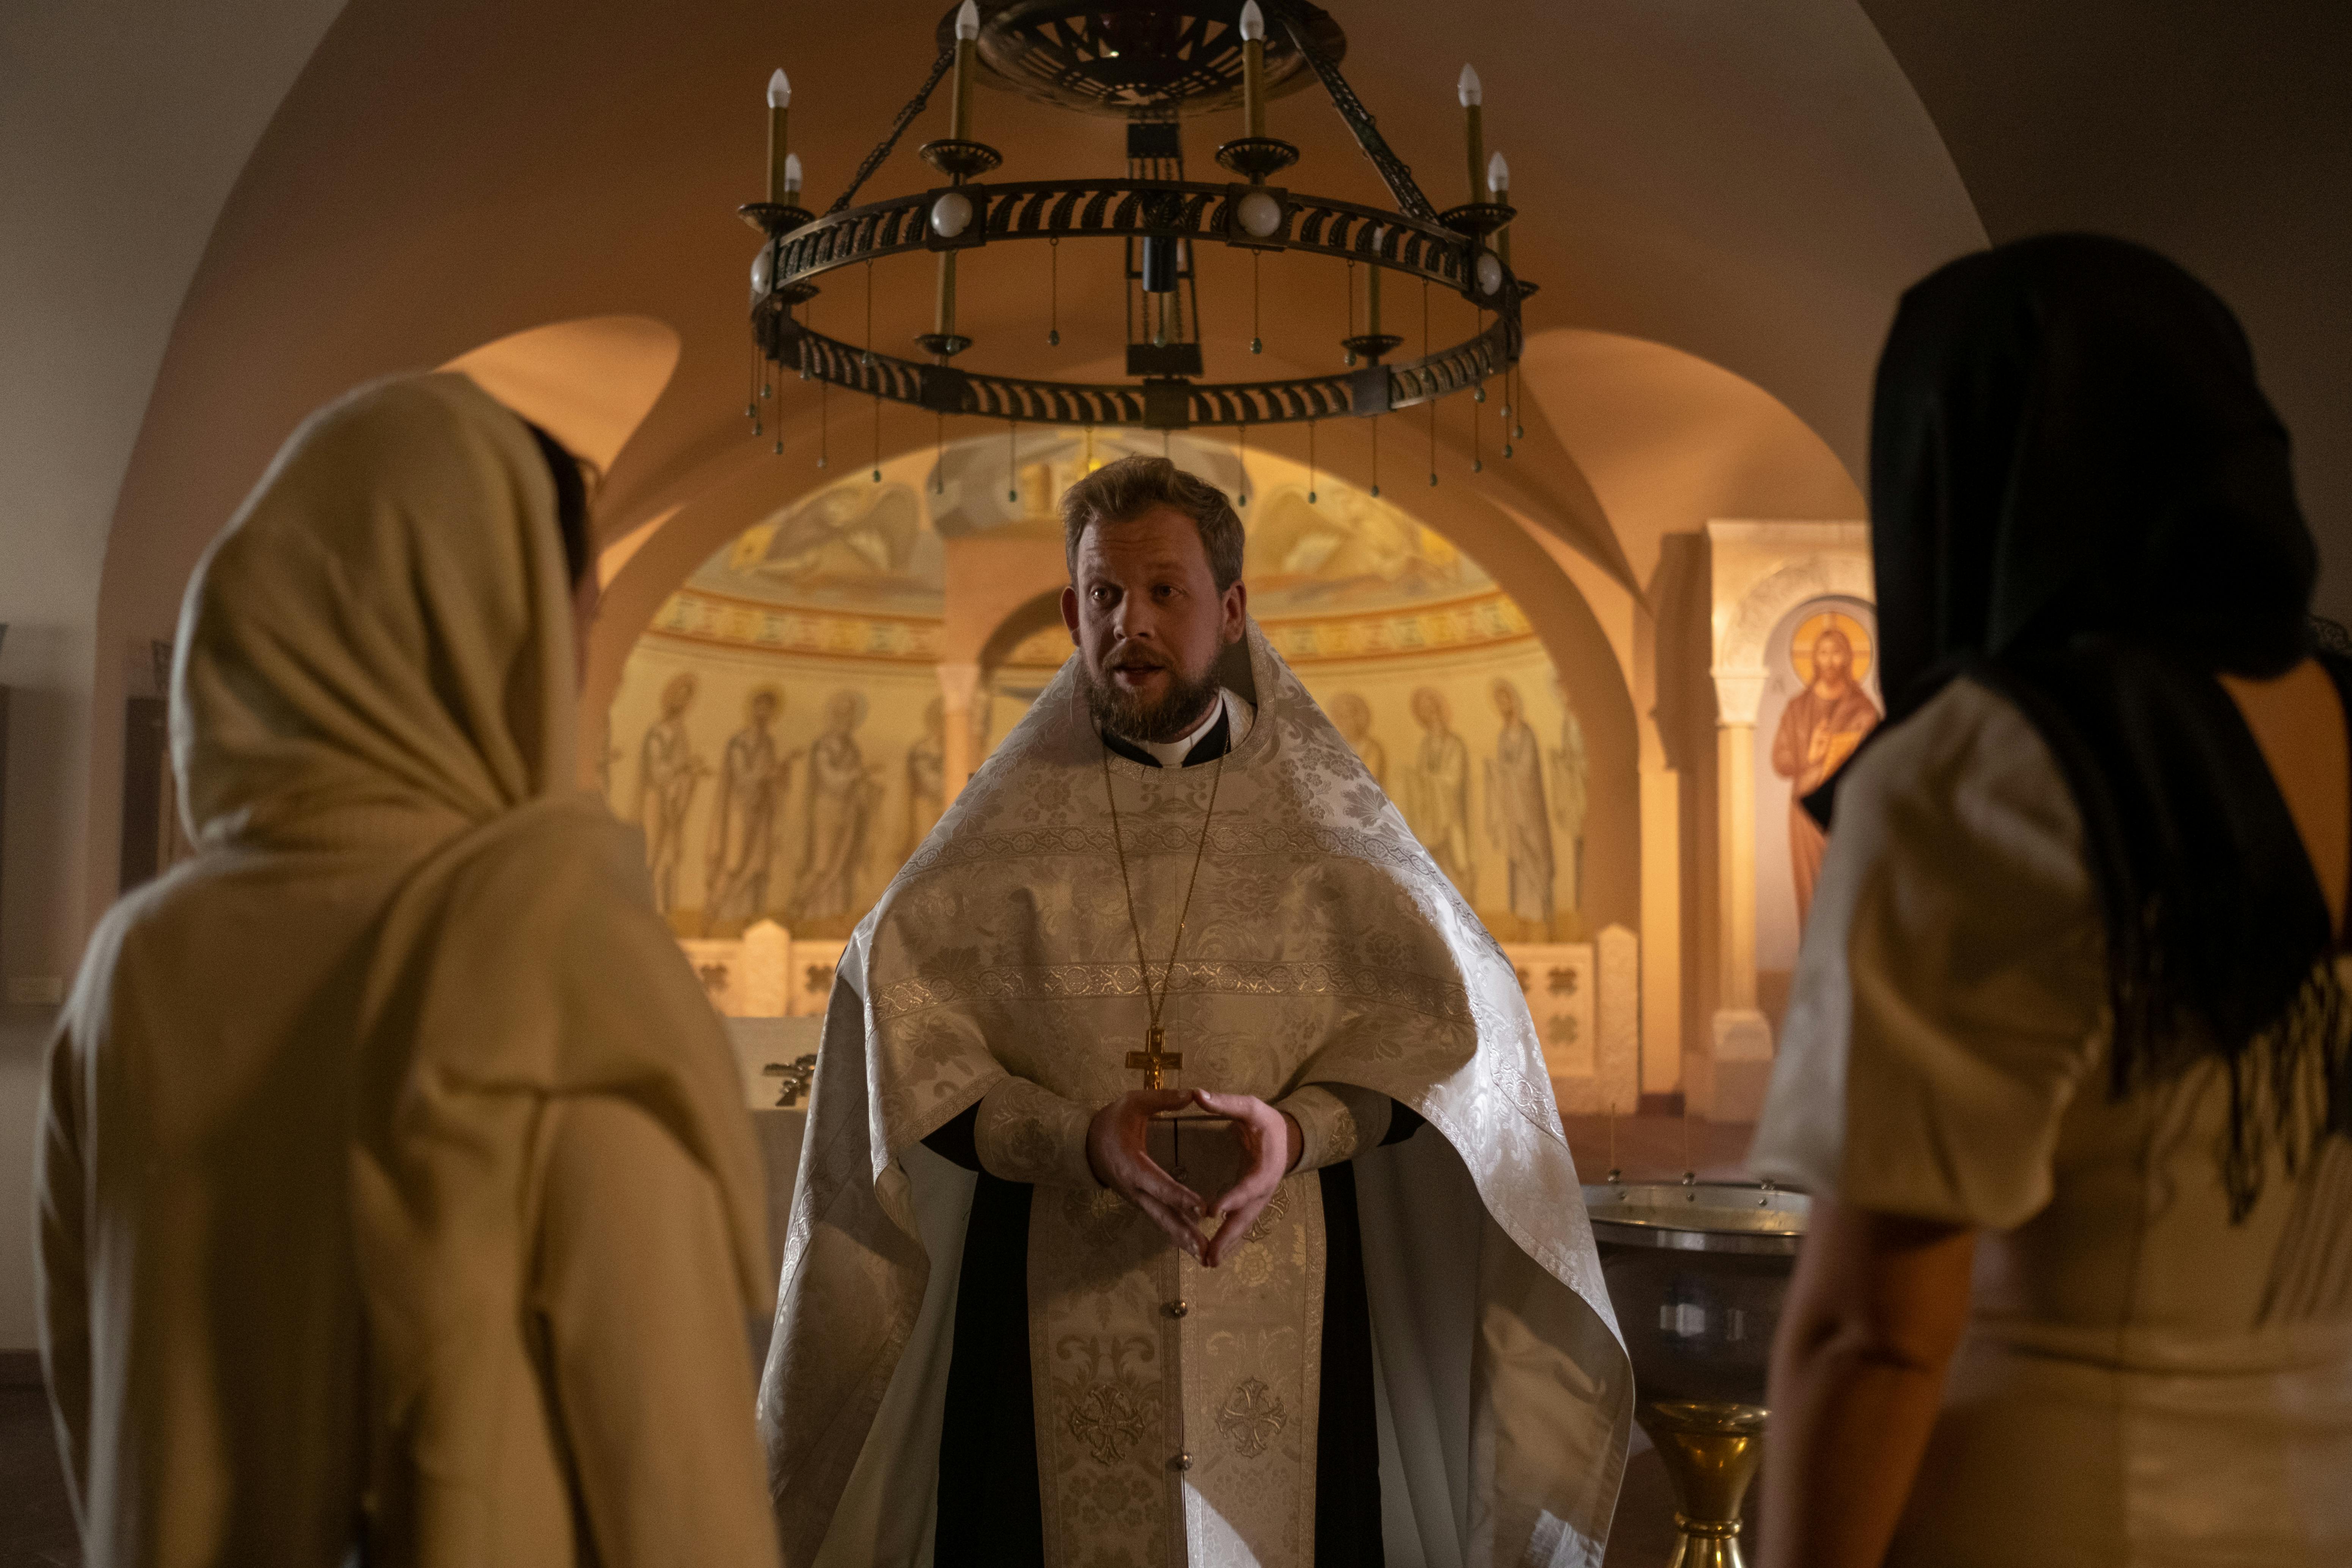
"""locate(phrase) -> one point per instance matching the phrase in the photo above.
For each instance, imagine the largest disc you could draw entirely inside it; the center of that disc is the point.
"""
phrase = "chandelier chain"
(1394, 171)
(875, 159)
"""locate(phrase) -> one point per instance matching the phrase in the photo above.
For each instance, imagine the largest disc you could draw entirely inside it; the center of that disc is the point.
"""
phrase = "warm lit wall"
(124, 129)
(2221, 135)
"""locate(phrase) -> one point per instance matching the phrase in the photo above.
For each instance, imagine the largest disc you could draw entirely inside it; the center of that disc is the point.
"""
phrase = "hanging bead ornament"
(1432, 402)
(877, 380)
(1348, 358)
(823, 407)
(1310, 462)
(1054, 293)
(865, 359)
(1257, 344)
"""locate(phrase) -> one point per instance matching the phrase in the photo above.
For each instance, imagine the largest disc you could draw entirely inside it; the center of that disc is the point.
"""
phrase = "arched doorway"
(842, 662)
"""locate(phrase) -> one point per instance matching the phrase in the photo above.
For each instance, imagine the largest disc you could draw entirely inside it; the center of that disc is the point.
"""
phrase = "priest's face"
(1149, 621)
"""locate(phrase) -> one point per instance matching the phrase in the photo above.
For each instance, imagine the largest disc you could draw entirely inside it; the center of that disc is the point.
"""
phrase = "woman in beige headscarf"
(397, 1199)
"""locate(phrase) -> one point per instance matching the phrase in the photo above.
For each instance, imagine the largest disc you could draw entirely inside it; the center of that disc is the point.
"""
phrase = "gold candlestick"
(967, 30)
(946, 315)
(779, 100)
(1372, 315)
(1472, 97)
(1253, 70)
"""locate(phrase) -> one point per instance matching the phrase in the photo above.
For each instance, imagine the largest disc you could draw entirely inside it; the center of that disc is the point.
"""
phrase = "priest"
(1182, 1184)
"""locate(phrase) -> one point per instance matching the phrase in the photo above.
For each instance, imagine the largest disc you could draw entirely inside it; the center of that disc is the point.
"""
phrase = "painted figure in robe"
(842, 794)
(1819, 731)
(1517, 819)
(668, 773)
(1570, 794)
(1437, 792)
(927, 775)
(1353, 715)
(752, 779)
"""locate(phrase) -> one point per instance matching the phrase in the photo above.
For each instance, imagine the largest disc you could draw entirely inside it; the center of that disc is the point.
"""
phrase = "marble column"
(1740, 1058)
(1662, 930)
(958, 687)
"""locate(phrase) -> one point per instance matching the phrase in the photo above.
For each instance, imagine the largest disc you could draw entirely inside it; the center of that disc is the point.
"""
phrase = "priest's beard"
(1132, 717)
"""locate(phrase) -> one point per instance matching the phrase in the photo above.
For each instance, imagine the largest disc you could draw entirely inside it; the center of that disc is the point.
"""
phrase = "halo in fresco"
(1809, 632)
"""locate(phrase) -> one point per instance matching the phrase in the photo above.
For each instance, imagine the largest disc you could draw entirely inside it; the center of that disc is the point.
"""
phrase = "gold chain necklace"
(1153, 1058)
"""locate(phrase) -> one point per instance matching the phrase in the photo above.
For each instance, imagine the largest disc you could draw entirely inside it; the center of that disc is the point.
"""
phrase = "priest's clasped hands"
(1270, 1139)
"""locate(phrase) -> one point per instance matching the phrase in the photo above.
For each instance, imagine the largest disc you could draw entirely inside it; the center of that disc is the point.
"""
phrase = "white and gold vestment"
(1176, 1406)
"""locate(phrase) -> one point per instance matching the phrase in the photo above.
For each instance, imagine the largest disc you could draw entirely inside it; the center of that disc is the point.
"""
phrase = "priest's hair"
(1126, 490)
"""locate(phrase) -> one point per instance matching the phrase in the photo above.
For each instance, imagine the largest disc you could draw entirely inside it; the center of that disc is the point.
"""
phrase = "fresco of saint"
(667, 774)
(841, 800)
(1819, 731)
(927, 775)
(752, 783)
(1517, 819)
(1572, 793)
(1437, 792)
(1353, 716)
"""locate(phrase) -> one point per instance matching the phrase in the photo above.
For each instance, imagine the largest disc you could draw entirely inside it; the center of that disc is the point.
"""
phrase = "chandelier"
(1153, 63)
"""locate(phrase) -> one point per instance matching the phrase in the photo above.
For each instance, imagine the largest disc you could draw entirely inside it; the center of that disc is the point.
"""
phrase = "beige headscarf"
(376, 660)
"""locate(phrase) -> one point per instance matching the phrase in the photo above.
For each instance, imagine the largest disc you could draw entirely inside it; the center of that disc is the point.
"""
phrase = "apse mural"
(1822, 701)
(780, 732)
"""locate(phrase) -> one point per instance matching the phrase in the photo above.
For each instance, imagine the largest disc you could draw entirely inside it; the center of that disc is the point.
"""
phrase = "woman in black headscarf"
(2066, 1060)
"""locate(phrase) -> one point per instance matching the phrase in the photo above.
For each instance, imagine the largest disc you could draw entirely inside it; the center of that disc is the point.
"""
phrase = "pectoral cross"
(1154, 1057)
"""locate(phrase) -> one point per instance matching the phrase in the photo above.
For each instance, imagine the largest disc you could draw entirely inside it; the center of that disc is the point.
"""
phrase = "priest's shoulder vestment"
(1175, 1406)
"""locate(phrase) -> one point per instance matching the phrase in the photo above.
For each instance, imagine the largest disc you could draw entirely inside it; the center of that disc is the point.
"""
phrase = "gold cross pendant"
(1154, 1057)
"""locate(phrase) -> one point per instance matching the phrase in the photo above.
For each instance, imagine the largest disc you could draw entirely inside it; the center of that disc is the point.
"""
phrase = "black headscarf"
(2080, 495)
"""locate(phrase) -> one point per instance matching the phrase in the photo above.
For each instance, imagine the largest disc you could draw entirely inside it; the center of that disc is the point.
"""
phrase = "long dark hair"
(2080, 495)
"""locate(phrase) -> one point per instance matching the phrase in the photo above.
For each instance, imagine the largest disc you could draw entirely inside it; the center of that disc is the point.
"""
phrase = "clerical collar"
(1211, 738)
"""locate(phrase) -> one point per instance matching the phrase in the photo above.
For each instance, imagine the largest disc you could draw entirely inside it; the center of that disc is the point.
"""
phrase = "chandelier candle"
(779, 100)
(792, 179)
(1474, 98)
(1253, 70)
(966, 32)
(1498, 191)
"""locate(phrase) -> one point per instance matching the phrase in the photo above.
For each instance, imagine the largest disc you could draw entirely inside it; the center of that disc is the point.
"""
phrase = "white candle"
(780, 99)
(967, 41)
(1472, 97)
(1253, 69)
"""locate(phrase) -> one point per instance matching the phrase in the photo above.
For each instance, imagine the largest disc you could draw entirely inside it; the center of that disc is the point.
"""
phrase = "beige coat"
(394, 1184)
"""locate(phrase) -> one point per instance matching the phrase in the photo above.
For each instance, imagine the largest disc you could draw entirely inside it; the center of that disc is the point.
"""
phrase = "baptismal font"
(1696, 1272)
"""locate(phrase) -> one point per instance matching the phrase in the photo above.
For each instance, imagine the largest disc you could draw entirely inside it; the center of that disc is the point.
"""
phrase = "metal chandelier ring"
(1170, 404)
(1127, 209)
(1131, 209)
